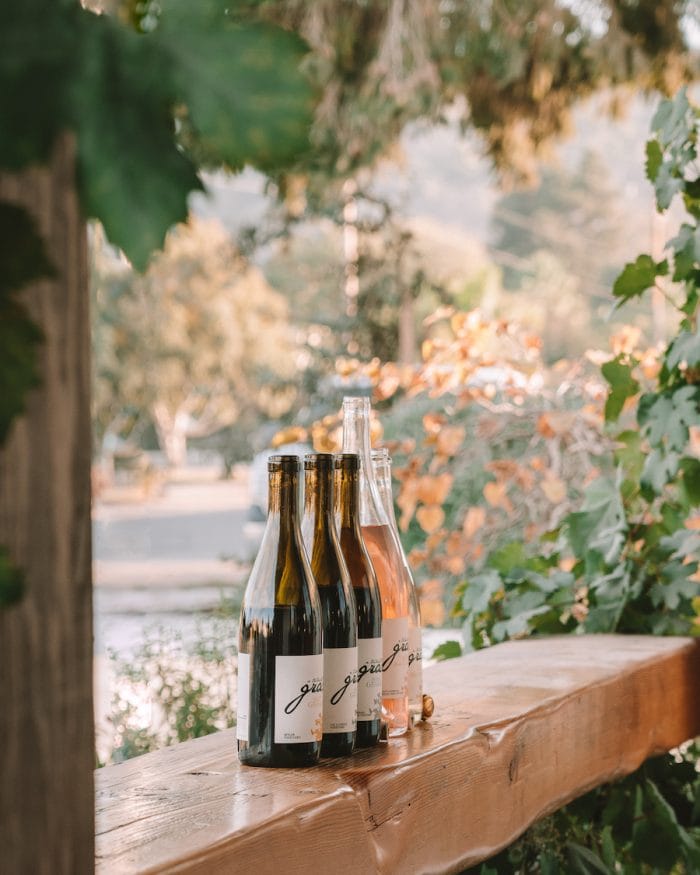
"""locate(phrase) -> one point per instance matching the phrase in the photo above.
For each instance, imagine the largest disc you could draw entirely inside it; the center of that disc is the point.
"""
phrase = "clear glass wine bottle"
(386, 559)
(381, 462)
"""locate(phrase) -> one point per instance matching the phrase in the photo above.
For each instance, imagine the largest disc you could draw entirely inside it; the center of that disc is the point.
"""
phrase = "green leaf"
(629, 453)
(622, 386)
(479, 591)
(447, 650)
(23, 261)
(683, 542)
(246, 95)
(686, 251)
(654, 159)
(600, 525)
(691, 479)
(131, 175)
(607, 847)
(659, 469)
(583, 861)
(666, 417)
(674, 118)
(667, 185)
(39, 44)
(609, 595)
(637, 277)
(549, 864)
(657, 838)
(11, 581)
(675, 585)
(685, 348)
(519, 625)
(512, 560)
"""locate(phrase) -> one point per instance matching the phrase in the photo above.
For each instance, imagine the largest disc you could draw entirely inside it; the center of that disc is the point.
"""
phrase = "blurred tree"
(192, 345)
(512, 70)
(577, 216)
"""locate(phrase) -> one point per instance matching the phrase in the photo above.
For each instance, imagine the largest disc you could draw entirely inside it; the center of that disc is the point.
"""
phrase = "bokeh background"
(447, 242)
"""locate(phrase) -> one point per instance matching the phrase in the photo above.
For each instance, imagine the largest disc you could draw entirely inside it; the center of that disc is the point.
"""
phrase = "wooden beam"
(519, 730)
(46, 721)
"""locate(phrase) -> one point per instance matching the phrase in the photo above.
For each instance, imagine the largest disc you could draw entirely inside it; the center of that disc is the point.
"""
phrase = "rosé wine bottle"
(386, 559)
(381, 462)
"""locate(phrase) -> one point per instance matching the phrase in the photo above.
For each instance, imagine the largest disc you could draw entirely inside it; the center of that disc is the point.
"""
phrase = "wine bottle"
(338, 610)
(280, 645)
(367, 599)
(386, 560)
(381, 462)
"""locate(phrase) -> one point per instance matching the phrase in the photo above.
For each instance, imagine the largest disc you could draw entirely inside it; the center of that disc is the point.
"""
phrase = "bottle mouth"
(347, 462)
(381, 455)
(356, 402)
(289, 464)
(318, 461)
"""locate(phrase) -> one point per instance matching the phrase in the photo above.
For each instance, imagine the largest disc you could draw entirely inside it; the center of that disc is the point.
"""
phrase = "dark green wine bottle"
(280, 644)
(337, 608)
(367, 599)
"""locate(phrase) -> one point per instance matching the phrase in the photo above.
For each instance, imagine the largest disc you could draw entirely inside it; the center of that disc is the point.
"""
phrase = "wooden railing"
(519, 729)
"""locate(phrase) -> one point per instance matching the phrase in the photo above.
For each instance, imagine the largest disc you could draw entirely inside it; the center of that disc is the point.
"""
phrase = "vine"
(627, 560)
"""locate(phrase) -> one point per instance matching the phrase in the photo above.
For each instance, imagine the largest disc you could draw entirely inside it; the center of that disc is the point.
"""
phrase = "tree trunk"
(46, 718)
(172, 433)
(408, 352)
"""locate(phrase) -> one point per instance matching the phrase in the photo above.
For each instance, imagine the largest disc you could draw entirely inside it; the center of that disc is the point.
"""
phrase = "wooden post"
(46, 720)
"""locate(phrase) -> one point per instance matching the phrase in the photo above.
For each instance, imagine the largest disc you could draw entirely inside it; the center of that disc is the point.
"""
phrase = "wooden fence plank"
(519, 729)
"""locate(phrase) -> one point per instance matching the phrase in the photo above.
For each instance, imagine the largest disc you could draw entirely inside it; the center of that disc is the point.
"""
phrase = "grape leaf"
(38, 48)
(674, 119)
(132, 176)
(600, 525)
(675, 583)
(657, 835)
(637, 277)
(666, 185)
(246, 96)
(685, 348)
(447, 650)
(691, 479)
(654, 159)
(479, 590)
(583, 861)
(667, 416)
(629, 453)
(686, 249)
(622, 386)
(659, 468)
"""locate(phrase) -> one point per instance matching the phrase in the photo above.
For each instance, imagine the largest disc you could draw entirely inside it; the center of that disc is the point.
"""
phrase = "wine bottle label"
(339, 689)
(243, 696)
(395, 656)
(298, 698)
(369, 678)
(415, 663)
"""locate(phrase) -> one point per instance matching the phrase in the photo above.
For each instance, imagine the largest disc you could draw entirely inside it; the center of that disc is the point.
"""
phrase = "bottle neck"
(348, 498)
(283, 527)
(382, 473)
(318, 495)
(284, 499)
(356, 439)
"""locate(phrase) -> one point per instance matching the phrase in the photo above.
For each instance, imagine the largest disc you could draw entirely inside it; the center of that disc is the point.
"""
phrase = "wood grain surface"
(46, 723)
(519, 729)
